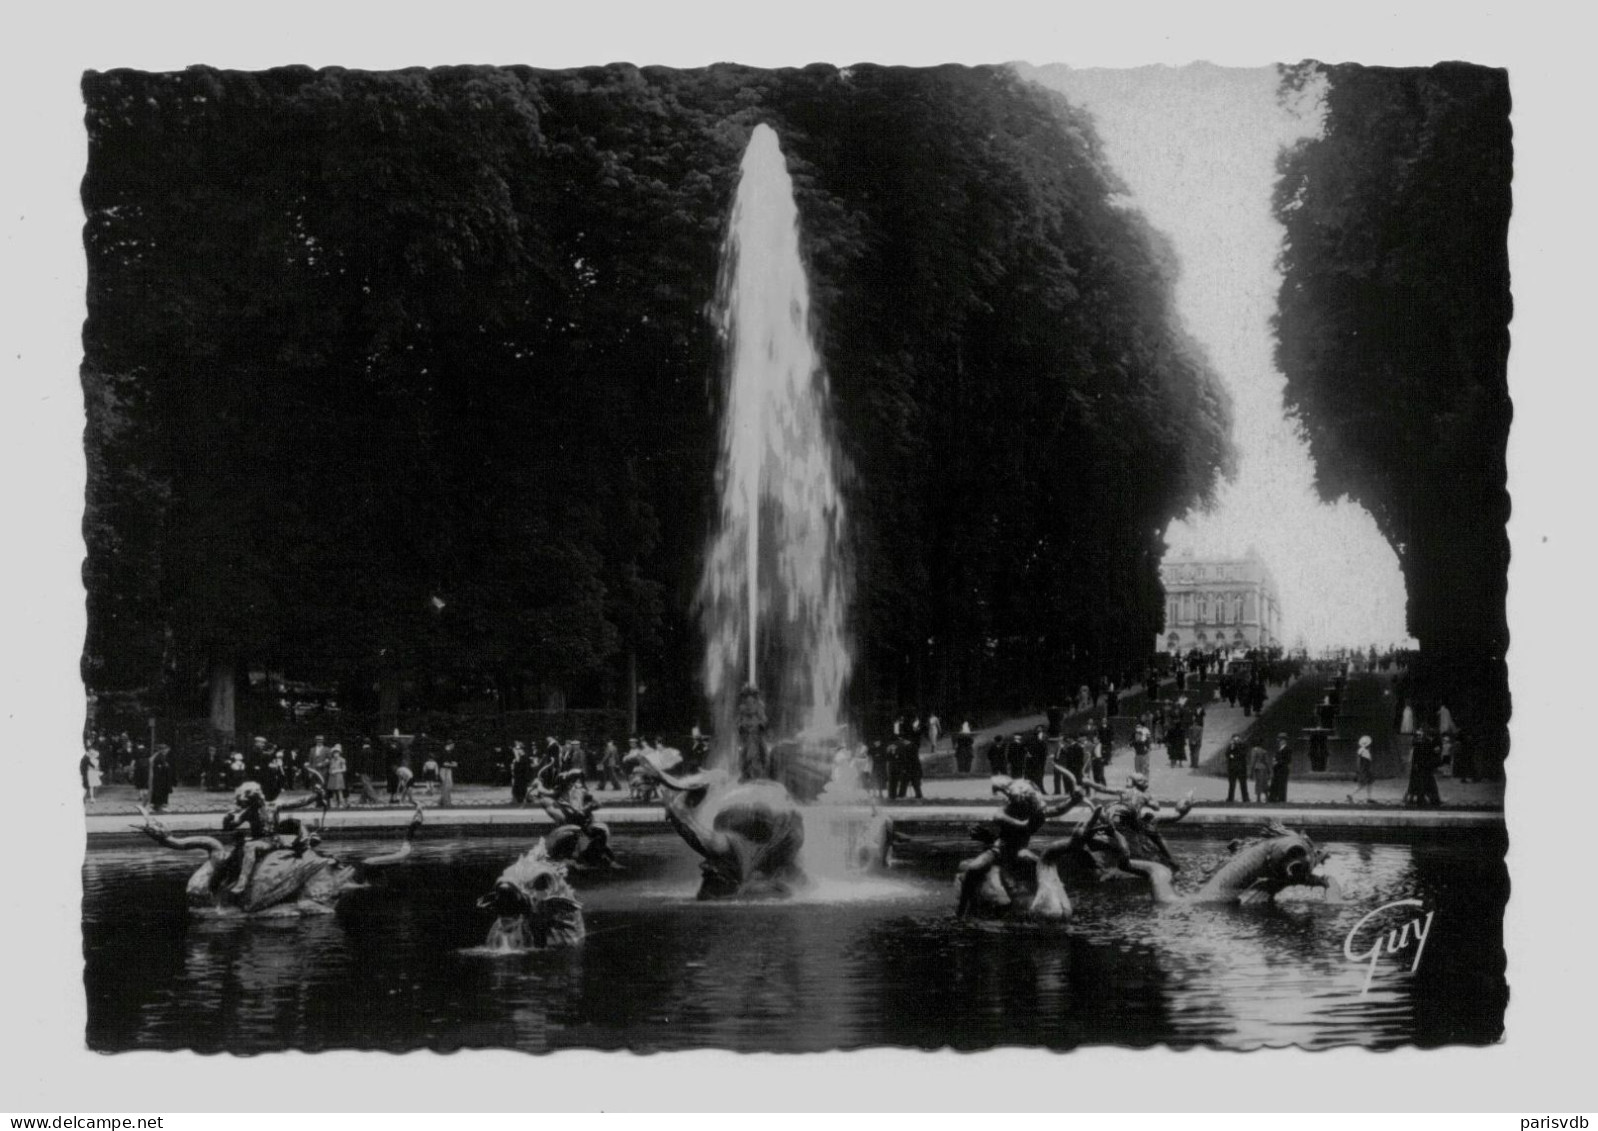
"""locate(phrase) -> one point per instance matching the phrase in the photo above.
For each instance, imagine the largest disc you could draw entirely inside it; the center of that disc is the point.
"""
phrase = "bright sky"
(1197, 147)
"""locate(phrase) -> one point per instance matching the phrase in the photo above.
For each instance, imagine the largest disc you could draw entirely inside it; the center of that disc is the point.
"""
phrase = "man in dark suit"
(997, 760)
(1015, 755)
(880, 773)
(1075, 761)
(1037, 754)
(1281, 767)
(1425, 756)
(1236, 768)
(162, 778)
(964, 748)
(909, 767)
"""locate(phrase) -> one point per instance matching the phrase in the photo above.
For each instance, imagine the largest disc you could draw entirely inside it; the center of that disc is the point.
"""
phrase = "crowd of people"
(368, 770)
(603, 763)
(1076, 742)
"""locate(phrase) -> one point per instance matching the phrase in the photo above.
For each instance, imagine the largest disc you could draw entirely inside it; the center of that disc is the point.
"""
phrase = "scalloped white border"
(1542, 1065)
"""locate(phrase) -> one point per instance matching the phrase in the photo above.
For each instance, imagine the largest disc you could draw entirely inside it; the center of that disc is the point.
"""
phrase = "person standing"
(1112, 701)
(162, 778)
(879, 769)
(913, 770)
(996, 756)
(1076, 757)
(1236, 768)
(320, 756)
(521, 772)
(337, 784)
(1281, 768)
(1037, 755)
(1446, 733)
(1176, 743)
(141, 773)
(260, 758)
(1364, 771)
(860, 767)
(89, 770)
(610, 776)
(1106, 738)
(1015, 756)
(394, 758)
(274, 777)
(910, 767)
(1259, 765)
(964, 748)
(1142, 739)
(934, 732)
(1423, 761)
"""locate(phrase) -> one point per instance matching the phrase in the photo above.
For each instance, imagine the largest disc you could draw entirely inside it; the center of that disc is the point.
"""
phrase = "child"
(337, 767)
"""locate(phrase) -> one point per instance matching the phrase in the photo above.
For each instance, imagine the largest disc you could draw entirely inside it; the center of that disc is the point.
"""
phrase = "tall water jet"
(773, 598)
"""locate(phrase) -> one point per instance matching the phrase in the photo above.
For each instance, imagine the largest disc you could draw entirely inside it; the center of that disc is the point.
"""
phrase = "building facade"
(1221, 603)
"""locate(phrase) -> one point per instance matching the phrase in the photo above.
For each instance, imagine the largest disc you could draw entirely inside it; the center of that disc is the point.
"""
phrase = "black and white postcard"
(825, 556)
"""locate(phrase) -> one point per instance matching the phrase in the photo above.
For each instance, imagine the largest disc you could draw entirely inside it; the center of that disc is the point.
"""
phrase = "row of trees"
(402, 378)
(1393, 331)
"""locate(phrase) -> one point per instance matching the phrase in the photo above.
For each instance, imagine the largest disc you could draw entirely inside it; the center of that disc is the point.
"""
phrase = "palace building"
(1219, 603)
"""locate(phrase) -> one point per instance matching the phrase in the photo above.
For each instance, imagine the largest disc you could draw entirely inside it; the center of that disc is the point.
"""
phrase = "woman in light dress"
(91, 773)
(337, 767)
(1365, 770)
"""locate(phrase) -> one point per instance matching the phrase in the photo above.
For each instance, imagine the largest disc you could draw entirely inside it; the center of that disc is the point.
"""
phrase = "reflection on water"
(402, 966)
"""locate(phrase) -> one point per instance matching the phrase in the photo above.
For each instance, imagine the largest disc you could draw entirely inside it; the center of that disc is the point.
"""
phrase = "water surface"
(401, 967)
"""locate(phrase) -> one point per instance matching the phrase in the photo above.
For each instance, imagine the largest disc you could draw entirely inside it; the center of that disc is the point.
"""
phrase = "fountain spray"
(773, 598)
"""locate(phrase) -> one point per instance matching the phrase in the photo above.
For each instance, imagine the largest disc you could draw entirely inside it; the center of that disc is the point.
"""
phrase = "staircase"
(1367, 709)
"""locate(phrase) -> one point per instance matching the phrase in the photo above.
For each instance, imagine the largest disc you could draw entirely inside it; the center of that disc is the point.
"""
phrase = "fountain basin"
(881, 962)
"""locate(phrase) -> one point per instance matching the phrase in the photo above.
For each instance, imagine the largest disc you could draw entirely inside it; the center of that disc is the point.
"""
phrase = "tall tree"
(415, 374)
(1393, 331)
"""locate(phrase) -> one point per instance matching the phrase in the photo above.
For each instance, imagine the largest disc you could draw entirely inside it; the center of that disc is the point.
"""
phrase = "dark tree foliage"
(1393, 331)
(359, 341)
